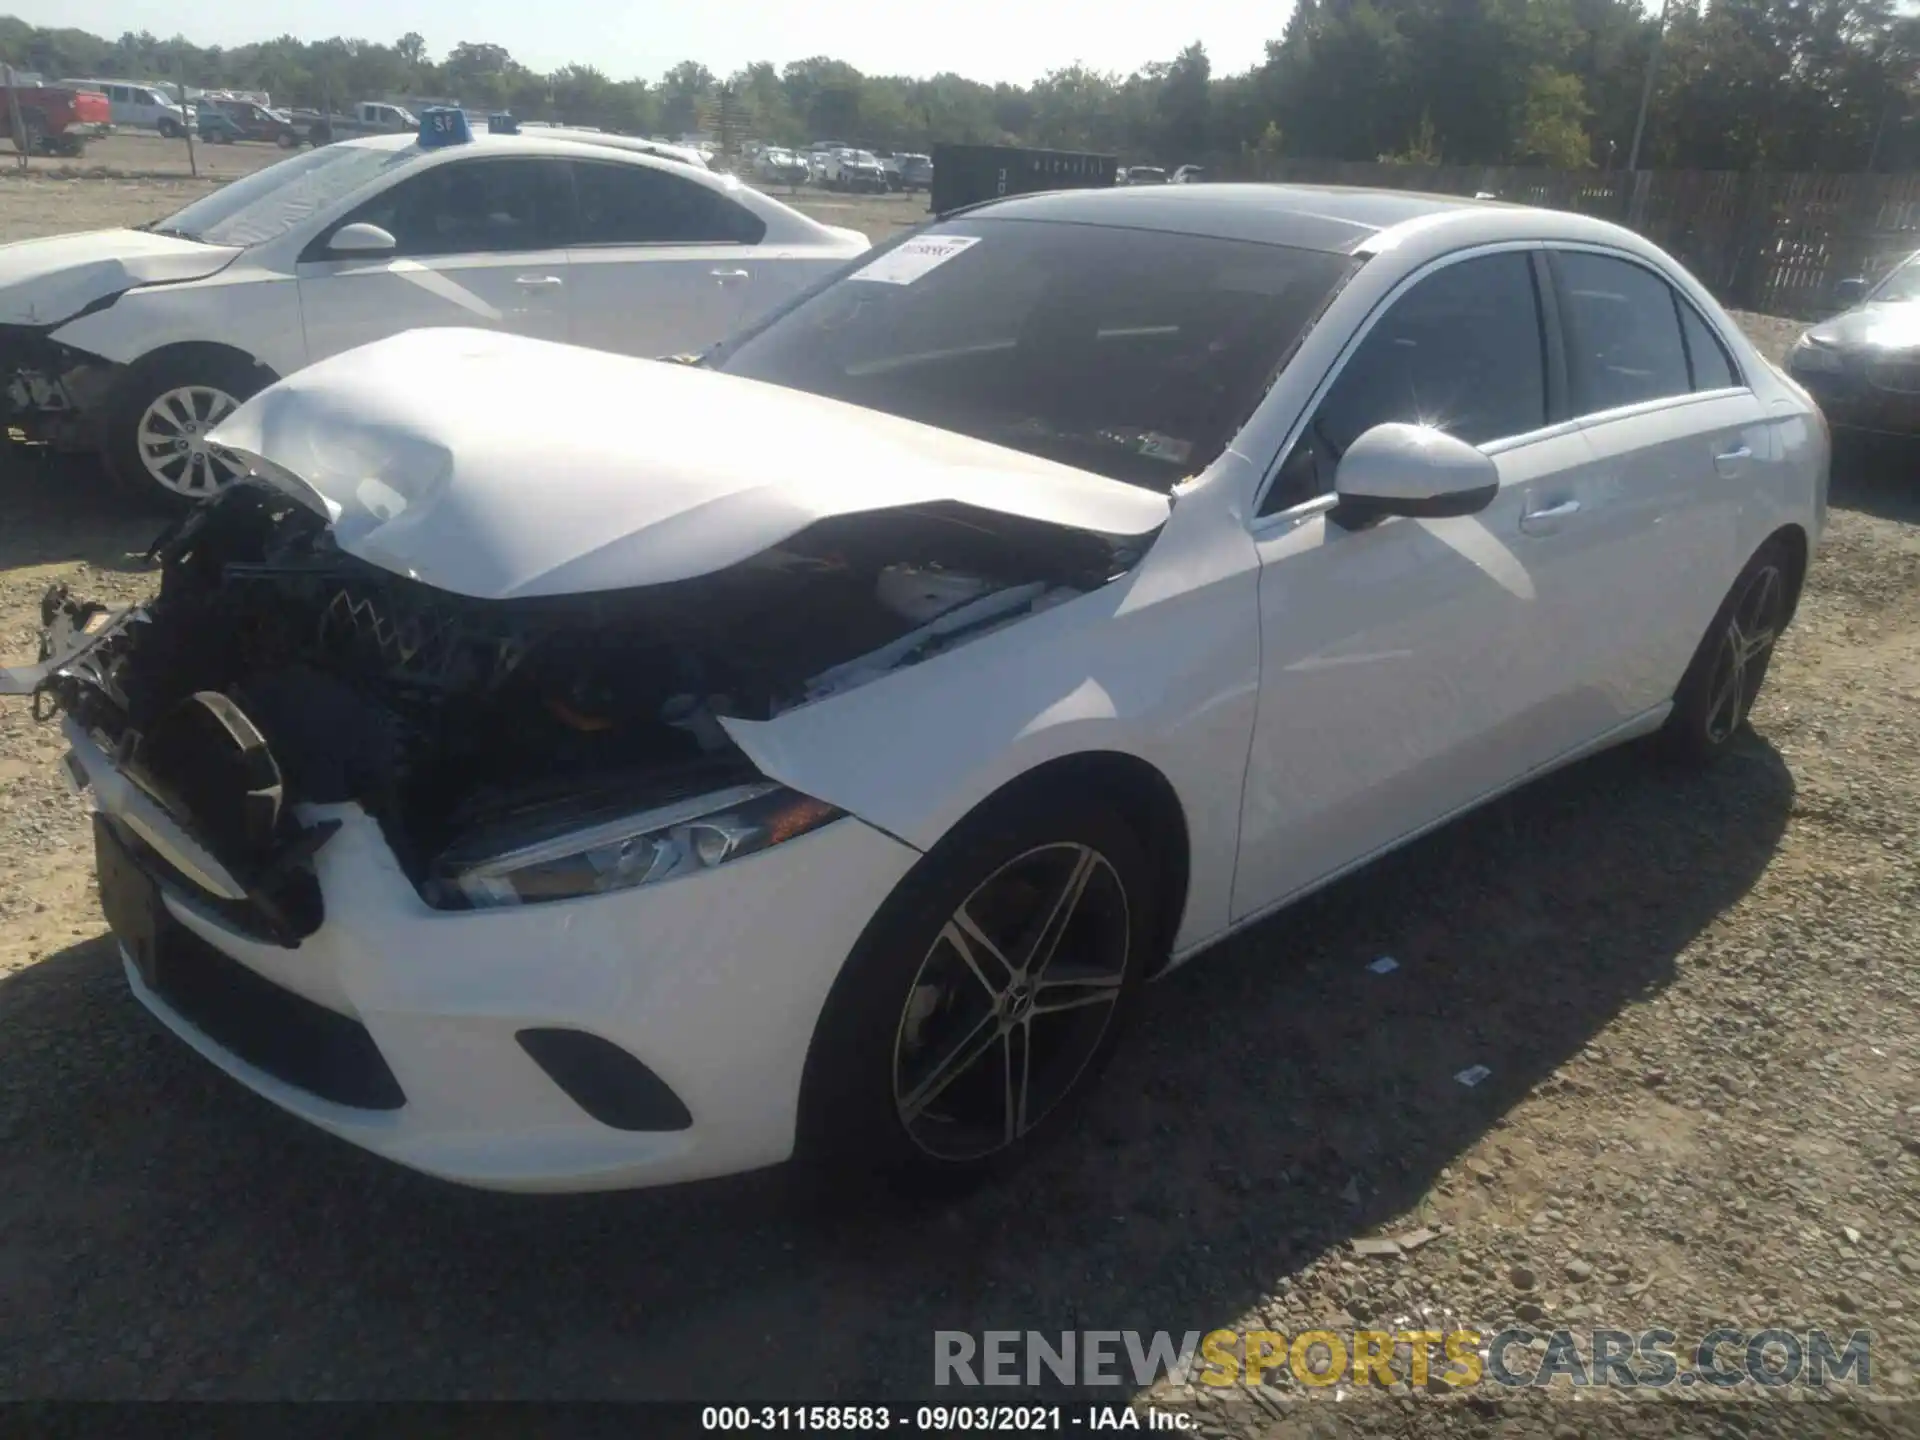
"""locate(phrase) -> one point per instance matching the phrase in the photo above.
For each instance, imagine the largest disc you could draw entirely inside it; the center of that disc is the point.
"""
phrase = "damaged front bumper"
(50, 393)
(418, 1033)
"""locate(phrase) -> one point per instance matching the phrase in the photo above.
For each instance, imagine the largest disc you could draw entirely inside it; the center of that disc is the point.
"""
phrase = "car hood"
(43, 282)
(1890, 326)
(495, 466)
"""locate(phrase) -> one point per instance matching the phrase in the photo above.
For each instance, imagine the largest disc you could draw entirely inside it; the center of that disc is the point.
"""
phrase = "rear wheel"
(983, 1000)
(157, 443)
(1717, 693)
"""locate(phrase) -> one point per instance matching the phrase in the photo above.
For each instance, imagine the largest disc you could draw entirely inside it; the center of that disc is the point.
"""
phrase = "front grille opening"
(288, 1036)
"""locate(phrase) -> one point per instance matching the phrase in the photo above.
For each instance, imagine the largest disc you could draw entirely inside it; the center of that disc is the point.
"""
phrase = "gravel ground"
(1694, 995)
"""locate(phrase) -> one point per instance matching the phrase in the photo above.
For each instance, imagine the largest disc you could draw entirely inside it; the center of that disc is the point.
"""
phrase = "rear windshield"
(1136, 354)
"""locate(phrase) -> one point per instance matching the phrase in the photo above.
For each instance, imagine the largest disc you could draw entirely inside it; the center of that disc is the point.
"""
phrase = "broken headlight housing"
(567, 855)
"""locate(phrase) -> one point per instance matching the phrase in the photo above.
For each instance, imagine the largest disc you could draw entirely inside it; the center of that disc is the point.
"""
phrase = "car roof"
(1311, 217)
(548, 139)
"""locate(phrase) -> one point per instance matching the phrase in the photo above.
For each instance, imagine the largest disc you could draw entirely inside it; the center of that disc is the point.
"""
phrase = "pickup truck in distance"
(57, 121)
(369, 117)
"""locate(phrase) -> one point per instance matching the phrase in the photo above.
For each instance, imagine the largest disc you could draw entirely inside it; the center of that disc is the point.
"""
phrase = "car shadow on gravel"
(1877, 475)
(167, 1234)
(60, 509)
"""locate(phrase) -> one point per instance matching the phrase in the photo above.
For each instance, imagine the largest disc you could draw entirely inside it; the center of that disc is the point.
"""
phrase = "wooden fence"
(1776, 243)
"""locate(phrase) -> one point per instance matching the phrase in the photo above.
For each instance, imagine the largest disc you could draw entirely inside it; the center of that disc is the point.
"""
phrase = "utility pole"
(20, 141)
(1646, 89)
(186, 110)
(1880, 131)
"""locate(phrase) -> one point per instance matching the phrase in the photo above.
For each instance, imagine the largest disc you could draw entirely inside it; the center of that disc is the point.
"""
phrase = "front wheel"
(984, 999)
(1716, 694)
(169, 129)
(287, 140)
(156, 439)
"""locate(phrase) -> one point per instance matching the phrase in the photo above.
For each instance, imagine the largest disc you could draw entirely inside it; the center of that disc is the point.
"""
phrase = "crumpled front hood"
(43, 282)
(493, 466)
(1873, 327)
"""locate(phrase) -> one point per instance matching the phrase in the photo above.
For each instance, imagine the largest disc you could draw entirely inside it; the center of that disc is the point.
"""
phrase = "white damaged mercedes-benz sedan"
(813, 751)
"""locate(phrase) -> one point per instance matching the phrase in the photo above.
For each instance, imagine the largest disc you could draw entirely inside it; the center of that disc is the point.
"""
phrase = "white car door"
(478, 242)
(1678, 440)
(660, 264)
(1405, 671)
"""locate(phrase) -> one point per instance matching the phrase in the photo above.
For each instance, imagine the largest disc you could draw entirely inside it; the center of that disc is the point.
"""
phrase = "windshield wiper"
(172, 233)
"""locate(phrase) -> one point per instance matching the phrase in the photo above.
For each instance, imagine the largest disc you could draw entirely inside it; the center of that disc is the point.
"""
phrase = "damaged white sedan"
(812, 751)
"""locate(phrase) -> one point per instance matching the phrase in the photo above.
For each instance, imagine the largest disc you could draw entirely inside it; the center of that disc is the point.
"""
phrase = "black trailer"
(967, 174)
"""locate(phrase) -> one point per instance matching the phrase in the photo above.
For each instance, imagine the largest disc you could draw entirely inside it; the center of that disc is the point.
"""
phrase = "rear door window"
(640, 205)
(1707, 357)
(1622, 333)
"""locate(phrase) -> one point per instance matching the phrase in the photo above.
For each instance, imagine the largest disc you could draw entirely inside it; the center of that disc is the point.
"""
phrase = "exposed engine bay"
(273, 670)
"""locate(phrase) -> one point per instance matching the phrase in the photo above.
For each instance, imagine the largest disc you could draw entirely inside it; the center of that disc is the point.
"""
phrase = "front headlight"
(623, 852)
(1807, 355)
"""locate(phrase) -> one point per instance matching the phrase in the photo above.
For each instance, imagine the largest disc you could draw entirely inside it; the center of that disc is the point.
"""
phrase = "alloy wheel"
(173, 441)
(1011, 1002)
(1740, 662)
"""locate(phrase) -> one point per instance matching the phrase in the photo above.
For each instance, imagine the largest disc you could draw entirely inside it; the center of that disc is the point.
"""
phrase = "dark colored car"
(916, 172)
(214, 125)
(257, 122)
(1863, 365)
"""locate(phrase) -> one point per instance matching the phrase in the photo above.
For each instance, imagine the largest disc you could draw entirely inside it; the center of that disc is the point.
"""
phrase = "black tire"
(904, 1000)
(169, 129)
(287, 140)
(148, 380)
(1717, 693)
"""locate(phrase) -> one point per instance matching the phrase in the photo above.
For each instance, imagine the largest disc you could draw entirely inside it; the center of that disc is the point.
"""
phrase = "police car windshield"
(266, 204)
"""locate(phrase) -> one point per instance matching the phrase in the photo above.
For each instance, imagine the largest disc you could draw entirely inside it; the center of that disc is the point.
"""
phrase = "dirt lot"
(1695, 996)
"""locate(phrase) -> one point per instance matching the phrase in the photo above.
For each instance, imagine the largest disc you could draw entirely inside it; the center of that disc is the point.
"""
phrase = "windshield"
(1134, 354)
(1902, 286)
(270, 202)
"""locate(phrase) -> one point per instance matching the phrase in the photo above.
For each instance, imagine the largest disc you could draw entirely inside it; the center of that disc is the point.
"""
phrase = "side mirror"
(1850, 292)
(361, 238)
(1415, 470)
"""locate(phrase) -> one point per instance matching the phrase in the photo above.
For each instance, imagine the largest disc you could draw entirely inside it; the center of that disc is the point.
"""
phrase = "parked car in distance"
(1188, 175)
(779, 166)
(369, 117)
(136, 342)
(213, 124)
(811, 752)
(854, 170)
(1863, 365)
(56, 119)
(257, 122)
(890, 172)
(916, 172)
(138, 106)
(1141, 175)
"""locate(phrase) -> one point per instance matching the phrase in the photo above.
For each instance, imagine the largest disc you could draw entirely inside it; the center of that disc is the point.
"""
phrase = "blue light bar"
(500, 122)
(443, 125)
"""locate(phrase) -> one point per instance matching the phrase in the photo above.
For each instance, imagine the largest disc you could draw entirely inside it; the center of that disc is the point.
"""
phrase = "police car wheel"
(158, 447)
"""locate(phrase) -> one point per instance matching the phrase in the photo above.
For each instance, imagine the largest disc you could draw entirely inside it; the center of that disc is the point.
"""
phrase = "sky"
(988, 40)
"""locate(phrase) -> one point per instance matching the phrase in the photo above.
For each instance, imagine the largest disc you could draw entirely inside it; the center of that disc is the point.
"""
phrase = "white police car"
(135, 343)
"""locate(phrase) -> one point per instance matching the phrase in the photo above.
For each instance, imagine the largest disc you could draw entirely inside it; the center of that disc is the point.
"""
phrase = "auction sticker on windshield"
(914, 258)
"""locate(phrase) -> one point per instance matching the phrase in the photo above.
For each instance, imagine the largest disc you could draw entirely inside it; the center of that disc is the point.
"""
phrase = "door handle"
(538, 282)
(730, 277)
(1545, 522)
(1729, 462)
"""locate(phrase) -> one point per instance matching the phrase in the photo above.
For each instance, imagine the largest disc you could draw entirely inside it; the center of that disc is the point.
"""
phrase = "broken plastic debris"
(1376, 1249)
(1473, 1075)
(1385, 965)
(1414, 1239)
(1352, 1193)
